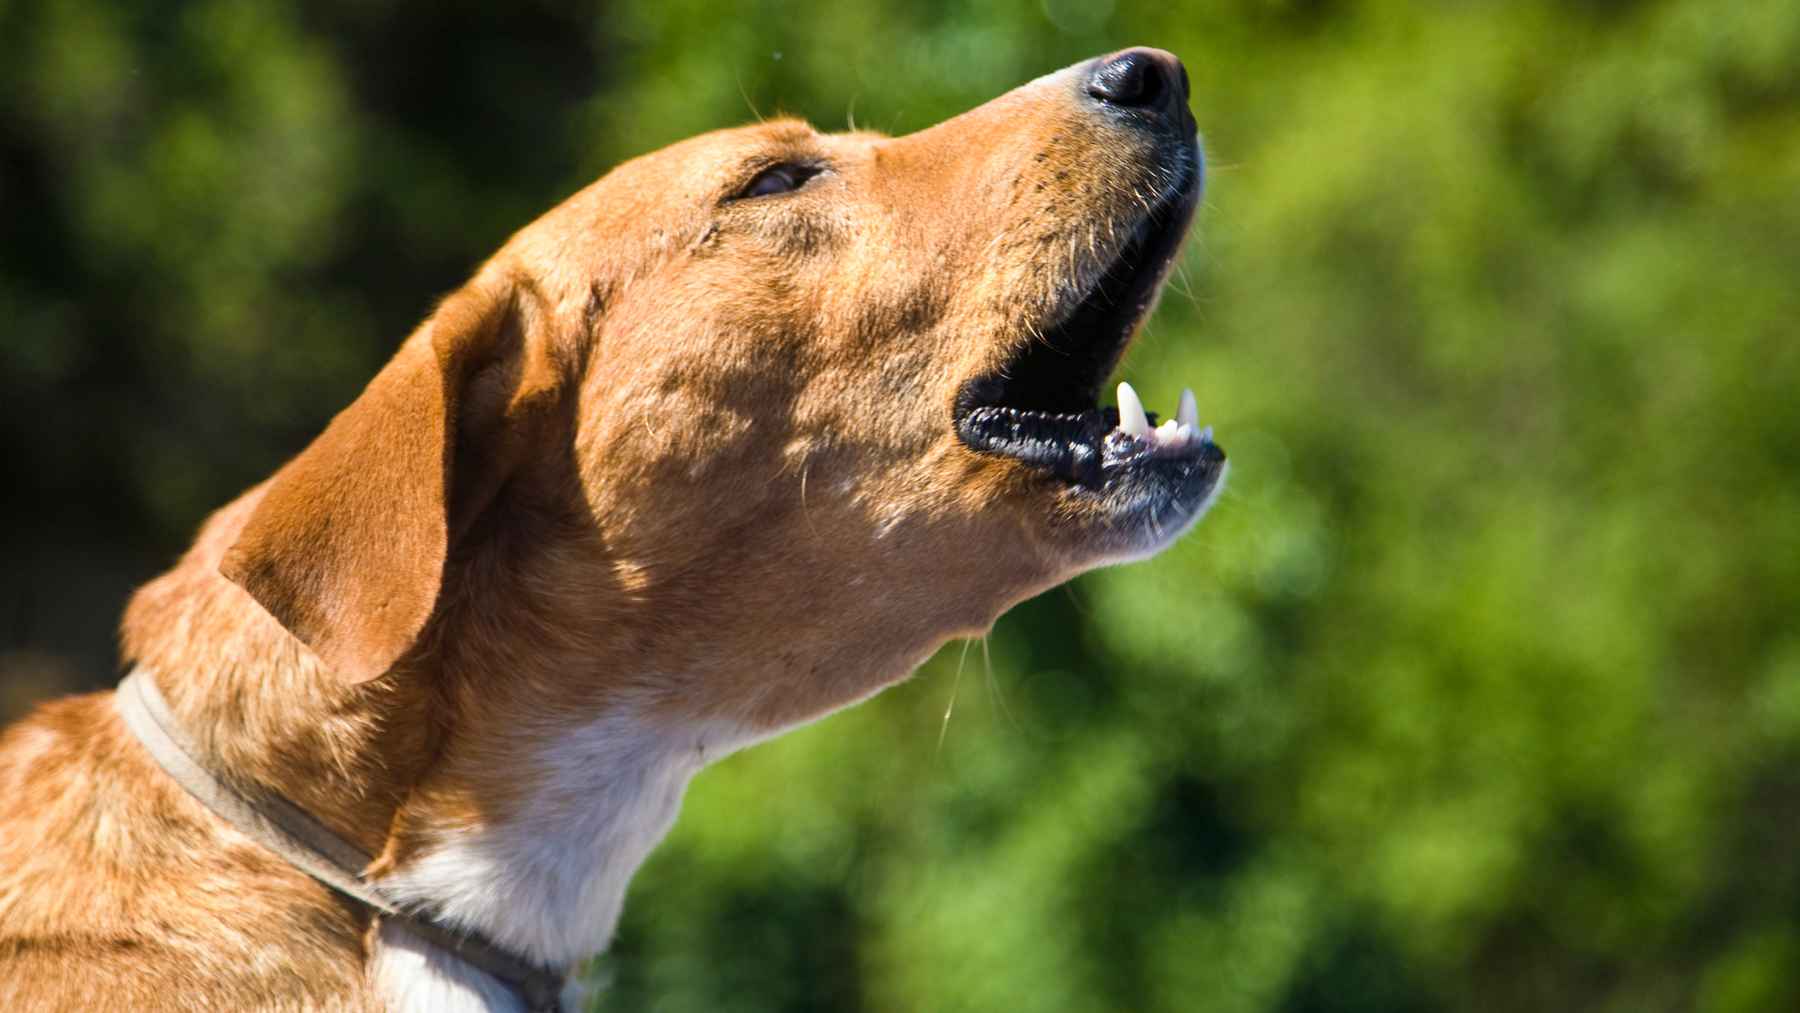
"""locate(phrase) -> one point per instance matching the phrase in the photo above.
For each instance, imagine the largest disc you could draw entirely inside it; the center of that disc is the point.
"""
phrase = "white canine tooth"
(1131, 412)
(1189, 412)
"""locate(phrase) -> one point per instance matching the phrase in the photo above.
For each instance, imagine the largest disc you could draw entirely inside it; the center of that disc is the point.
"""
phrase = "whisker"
(738, 78)
(955, 685)
(994, 693)
(1186, 288)
(805, 511)
(1075, 599)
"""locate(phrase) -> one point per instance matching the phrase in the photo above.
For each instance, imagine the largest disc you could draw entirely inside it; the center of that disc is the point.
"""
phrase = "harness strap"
(313, 848)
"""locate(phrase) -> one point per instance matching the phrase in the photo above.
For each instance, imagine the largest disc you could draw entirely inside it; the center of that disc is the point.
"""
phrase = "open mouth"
(1040, 407)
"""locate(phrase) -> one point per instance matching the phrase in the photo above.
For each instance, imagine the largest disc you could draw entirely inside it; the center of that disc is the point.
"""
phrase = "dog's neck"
(547, 873)
(514, 801)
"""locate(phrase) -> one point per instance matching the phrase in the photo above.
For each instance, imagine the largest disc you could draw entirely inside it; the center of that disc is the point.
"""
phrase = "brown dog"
(734, 437)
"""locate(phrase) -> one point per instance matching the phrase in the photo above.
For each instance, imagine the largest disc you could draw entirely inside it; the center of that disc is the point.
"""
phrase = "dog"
(732, 438)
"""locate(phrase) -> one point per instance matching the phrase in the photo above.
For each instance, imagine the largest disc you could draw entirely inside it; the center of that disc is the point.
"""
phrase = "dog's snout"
(1141, 78)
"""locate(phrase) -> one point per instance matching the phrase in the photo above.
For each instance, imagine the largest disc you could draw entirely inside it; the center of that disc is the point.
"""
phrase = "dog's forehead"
(707, 157)
(722, 157)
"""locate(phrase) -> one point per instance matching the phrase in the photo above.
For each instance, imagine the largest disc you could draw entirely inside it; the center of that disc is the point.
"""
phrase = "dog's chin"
(1118, 484)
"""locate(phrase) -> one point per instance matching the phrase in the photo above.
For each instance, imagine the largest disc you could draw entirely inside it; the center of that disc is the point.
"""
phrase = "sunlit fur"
(671, 473)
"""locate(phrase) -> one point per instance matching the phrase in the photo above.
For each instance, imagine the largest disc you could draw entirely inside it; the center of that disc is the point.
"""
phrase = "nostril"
(1124, 80)
(1140, 78)
(1137, 78)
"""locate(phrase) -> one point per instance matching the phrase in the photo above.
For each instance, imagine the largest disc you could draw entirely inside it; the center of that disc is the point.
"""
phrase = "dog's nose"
(1141, 78)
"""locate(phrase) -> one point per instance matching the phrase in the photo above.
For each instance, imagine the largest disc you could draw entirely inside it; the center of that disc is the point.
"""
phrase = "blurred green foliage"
(1479, 690)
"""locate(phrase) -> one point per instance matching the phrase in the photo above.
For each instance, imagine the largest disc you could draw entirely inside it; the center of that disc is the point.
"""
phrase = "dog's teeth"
(1189, 412)
(1169, 433)
(1206, 435)
(1132, 419)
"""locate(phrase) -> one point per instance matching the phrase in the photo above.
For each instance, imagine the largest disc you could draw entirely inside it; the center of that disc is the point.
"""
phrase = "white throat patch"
(548, 884)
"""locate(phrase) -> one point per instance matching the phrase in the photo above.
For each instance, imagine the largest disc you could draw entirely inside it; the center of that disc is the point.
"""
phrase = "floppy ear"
(348, 544)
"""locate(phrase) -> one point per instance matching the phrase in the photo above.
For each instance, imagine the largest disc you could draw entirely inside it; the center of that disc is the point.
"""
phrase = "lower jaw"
(1142, 506)
(1121, 495)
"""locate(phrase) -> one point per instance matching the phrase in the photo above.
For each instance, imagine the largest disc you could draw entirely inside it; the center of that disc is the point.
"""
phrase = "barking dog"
(732, 438)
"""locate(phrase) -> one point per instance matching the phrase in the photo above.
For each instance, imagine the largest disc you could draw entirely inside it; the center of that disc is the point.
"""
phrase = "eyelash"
(788, 176)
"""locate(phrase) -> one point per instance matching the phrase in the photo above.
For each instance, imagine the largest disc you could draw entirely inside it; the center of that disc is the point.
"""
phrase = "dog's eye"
(778, 179)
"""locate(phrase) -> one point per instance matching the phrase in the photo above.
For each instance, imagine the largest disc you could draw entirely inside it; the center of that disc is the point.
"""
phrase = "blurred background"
(1479, 689)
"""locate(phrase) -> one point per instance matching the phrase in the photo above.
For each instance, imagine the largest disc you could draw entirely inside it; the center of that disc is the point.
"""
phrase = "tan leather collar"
(313, 848)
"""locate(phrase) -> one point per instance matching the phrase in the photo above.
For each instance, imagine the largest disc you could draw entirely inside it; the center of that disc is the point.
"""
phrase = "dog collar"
(313, 848)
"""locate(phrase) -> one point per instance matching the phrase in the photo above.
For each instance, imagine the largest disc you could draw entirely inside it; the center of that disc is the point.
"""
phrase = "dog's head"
(781, 410)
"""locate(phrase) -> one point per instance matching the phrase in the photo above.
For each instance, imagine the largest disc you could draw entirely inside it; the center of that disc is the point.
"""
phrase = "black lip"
(1039, 408)
(1070, 445)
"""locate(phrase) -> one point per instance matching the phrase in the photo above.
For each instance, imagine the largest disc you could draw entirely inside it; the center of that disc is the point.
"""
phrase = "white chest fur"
(549, 883)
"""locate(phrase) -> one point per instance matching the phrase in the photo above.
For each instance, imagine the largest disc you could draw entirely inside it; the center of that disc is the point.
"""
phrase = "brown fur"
(662, 443)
